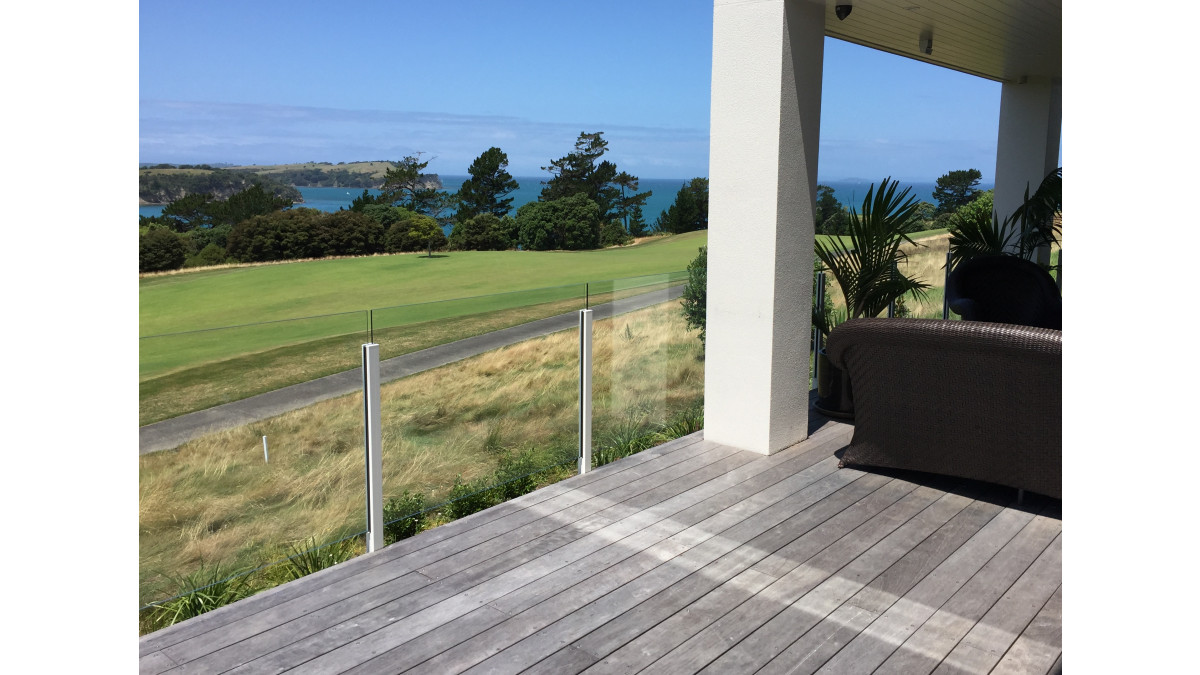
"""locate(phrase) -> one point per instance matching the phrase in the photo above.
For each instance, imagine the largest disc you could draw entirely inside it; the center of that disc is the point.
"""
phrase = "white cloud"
(191, 132)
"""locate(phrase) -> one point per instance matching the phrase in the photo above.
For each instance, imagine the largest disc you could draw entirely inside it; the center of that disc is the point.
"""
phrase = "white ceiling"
(1004, 40)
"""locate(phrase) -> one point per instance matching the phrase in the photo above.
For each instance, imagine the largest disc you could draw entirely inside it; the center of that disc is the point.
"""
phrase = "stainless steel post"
(585, 390)
(373, 446)
(946, 289)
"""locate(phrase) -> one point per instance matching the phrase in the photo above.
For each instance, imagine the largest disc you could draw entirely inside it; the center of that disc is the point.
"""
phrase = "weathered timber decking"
(689, 557)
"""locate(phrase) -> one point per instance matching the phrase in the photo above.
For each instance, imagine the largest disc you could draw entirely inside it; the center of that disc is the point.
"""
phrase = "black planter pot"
(834, 398)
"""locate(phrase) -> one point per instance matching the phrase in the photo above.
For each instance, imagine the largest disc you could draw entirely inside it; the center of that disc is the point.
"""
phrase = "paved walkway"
(172, 433)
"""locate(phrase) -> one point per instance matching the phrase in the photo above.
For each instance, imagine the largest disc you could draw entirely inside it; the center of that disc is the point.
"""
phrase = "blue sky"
(273, 82)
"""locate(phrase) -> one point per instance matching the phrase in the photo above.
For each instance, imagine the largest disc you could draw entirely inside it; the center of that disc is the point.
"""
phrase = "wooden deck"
(689, 557)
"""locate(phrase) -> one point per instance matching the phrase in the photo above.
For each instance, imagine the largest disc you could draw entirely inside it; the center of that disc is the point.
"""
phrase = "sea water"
(849, 192)
(332, 199)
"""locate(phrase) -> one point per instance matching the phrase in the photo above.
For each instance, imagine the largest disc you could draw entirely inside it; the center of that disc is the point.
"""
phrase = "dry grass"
(376, 169)
(926, 261)
(215, 500)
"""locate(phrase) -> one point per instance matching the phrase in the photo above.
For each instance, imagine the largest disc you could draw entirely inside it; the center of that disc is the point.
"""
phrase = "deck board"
(667, 603)
(501, 517)
(635, 558)
(988, 640)
(690, 557)
(924, 650)
(819, 580)
(662, 567)
(876, 640)
(845, 622)
(439, 601)
(1039, 645)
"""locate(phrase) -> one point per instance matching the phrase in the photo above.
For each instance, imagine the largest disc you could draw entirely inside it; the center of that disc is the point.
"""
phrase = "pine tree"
(406, 183)
(582, 172)
(485, 190)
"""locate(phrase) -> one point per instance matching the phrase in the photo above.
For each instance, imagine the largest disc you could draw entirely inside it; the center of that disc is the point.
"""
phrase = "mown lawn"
(225, 297)
(424, 302)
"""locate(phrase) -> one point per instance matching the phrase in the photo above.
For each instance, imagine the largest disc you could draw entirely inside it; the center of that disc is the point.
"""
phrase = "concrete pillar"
(1028, 141)
(766, 114)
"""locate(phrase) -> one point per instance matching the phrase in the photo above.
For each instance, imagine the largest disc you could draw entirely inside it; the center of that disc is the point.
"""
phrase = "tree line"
(586, 203)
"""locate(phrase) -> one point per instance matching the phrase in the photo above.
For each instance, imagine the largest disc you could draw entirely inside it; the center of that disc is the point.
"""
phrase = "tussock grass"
(214, 500)
(926, 261)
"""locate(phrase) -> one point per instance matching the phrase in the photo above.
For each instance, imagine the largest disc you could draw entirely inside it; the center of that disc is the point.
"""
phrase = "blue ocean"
(332, 199)
(849, 193)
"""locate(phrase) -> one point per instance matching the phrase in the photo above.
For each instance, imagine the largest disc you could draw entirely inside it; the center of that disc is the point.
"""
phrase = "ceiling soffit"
(1003, 40)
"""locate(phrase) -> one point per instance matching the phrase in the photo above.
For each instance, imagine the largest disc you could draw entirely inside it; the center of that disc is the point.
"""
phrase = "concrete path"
(172, 433)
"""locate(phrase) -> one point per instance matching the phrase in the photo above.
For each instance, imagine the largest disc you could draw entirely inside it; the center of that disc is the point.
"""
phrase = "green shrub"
(280, 235)
(347, 233)
(467, 498)
(979, 207)
(514, 477)
(613, 233)
(484, 232)
(208, 256)
(571, 223)
(160, 249)
(403, 516)
(695, 294)
(414, 233)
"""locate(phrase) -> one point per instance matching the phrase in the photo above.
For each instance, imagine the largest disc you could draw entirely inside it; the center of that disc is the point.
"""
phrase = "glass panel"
(648, 368)
(181, 373)
(487, 427)
(408, 328)
(927, 263)
(644, 287)
(223, 503)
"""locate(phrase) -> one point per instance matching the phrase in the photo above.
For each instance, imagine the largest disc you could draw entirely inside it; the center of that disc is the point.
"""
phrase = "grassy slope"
(225, 297)
(175, 172)
(376, 169)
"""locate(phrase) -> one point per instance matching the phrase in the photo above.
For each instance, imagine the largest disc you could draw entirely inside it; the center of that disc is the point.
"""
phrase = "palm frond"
(979, 234)
(1036, 213)
(866, 269)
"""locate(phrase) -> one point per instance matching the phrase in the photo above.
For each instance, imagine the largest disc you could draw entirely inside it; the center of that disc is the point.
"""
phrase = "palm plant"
(976, 233)
(867, 267)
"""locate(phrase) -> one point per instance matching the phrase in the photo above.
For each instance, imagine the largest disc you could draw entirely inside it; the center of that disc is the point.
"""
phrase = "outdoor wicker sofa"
(1004, 289)
(969, 399)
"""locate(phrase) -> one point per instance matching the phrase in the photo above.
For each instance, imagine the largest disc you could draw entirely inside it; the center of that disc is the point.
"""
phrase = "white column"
(1028, 141)
(766, 113)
